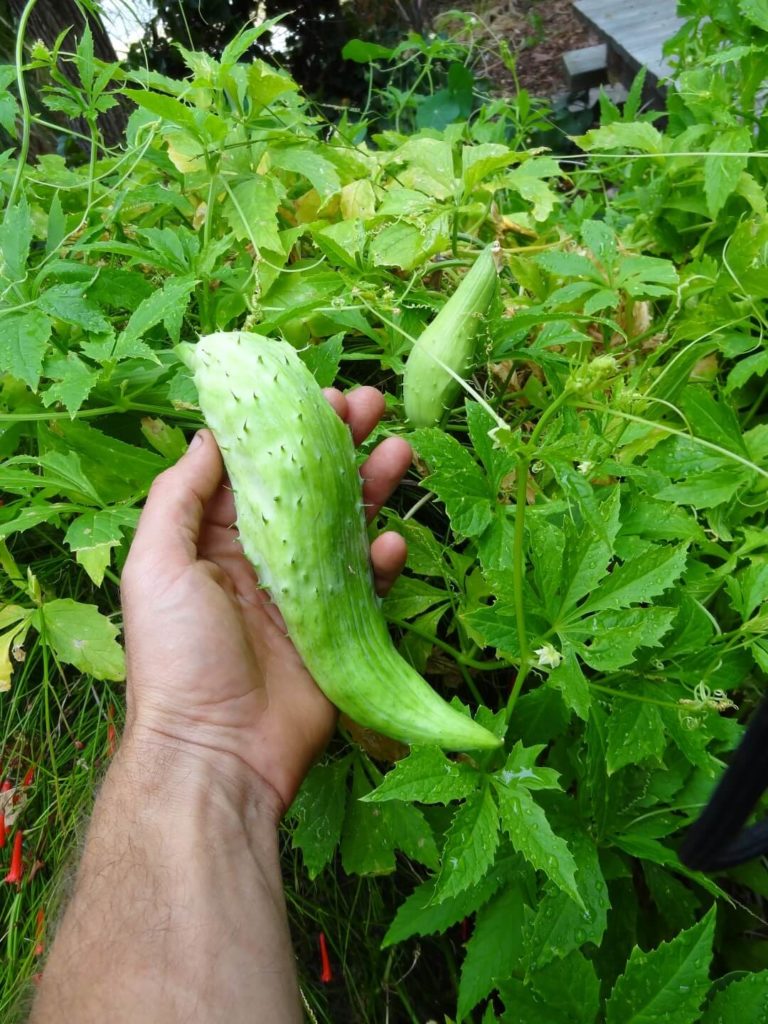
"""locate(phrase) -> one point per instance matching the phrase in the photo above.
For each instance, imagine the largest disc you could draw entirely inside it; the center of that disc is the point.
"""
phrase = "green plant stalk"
(518, 549)
(26, 123)
(91, 162)
(518, 573)
(634, 696)
(461, 659)
(49, 724)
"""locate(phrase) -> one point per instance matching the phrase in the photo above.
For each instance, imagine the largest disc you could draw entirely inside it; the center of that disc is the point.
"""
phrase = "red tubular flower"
(6, 786)
(29, 778)
(17, 868)
(111, 731)
(2, 829)
(39, 926)
(326, 974)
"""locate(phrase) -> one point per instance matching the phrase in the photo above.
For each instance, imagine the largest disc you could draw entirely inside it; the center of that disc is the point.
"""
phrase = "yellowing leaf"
(17, 618)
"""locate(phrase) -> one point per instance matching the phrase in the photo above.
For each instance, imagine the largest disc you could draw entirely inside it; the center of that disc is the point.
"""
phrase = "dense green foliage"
(588, 556)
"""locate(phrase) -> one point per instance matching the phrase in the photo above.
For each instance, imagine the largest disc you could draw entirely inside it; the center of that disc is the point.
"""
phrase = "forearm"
(178, 912)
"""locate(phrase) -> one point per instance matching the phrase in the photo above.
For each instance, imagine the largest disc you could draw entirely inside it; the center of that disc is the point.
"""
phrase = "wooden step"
(586, 67)
(635, 32)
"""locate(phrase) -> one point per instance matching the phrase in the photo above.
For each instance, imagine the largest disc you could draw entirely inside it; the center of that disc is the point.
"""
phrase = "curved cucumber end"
(460, 734)
(480, 739)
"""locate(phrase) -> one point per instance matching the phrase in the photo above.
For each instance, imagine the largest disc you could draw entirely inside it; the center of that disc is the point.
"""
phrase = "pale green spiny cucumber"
(429, 390)
(300, 517)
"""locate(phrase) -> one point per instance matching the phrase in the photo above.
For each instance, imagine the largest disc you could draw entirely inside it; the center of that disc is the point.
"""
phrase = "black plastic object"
(717, 839)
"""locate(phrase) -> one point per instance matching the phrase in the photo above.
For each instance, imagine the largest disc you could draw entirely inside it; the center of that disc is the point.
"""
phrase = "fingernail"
(197, 440)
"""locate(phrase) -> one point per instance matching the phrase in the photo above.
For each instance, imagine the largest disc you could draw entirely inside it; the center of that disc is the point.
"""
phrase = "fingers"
(170, 522)
(383, 471)
(361, 408)
(388, 554)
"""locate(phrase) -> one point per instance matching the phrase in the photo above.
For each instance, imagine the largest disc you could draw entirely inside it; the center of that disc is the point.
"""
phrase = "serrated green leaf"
(603, 298)
(547, 546)
(75, 382)
(528, 181)
(319, 810)
(372, 833)
(722, 168)
(495, 950)
(57, 225)
(159, 307)
(9, 112)
(743, 1001)
(494, 626)
(635, 732)
(520, 767)
(266, 83)
(616, 635)
(251, 212)
(171, 110)
(67, 302)
(425, 555)
(707, 489)
(640, 579)
(600, 239)
(483, 159)
(81, 636)
(531, 835)
(398, 245)
(367, 844)
(646, 276)
(540, 716)
(15, 240)
(323, 359)
(103, 527)
(470, 845)
(457, 480)
(116, 470)
(564, 992)
(712, 419)
(587, 554)
(410, 597)
(560, 926)
(569, 264)
(319, 171)
(23, 343)
(92, 537)
(676, 902)
(755, 12)
(569, 679)
(498, 462)
(21, 515)
(63, 472)
(638, 135)
(668, 983)
(428, 777)
(421, 914)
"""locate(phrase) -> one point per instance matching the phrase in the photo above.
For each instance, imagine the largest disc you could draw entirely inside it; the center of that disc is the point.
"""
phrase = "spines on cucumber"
(297, 492)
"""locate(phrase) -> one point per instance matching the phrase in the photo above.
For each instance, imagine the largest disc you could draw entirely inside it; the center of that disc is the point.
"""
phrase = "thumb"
(170, 522)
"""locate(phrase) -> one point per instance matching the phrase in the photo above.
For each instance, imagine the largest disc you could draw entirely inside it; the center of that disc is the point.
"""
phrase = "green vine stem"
(26, 129)
(518, 574)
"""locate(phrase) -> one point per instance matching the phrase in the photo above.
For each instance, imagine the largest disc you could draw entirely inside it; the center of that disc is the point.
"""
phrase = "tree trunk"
(47, 21)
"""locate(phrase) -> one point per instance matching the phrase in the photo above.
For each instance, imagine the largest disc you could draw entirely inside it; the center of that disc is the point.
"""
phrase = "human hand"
(210, 668)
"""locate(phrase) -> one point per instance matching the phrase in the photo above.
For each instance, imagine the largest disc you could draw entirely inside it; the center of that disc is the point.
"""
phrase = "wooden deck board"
(635, 29)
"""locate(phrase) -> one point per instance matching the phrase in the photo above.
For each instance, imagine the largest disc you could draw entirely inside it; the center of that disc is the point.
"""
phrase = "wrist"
(186, 781)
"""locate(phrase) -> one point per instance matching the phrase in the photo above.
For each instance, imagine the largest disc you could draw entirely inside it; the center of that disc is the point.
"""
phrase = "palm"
(229, 676)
